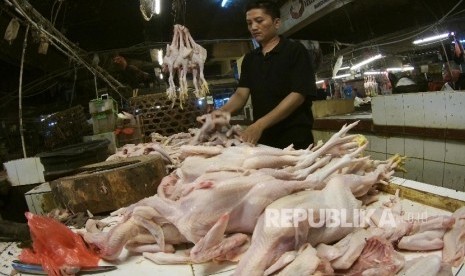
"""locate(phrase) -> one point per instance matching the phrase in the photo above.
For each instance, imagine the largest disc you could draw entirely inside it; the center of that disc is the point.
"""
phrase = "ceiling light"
(223, 4)
(341, 76)
(432, 38)
(373, 73)
(344, 68)
(337, 65)
(157, 6)
(366, 61)
(160, 57)
(320, 81)
(399, 69)
(149, 7)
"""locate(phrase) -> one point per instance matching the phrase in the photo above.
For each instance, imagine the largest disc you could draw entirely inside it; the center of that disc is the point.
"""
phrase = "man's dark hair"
(269, 7)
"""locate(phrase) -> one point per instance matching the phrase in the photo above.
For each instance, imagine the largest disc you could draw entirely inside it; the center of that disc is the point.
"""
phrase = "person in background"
(131, 74)
(280, 79)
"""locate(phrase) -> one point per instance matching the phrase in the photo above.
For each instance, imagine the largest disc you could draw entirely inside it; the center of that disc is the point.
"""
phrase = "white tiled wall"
(434, 149)
(394, 110)
(455, 152)
(436, 162)
(433, 172)
(414, 110)
(380, 115)
(414, 147)
(435, 109)
(454, 177)
(428, 109)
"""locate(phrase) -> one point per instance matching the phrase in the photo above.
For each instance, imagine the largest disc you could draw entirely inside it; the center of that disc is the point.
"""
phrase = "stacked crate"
(128, 131)
(159, 114)
(64, 128)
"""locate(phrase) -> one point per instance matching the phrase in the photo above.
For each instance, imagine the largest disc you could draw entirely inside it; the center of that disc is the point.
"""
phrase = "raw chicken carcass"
(243, 196)
(181, 56)
(454, 240)
(427, 234)
(181, 63)
(306, 263)
(378, 258)
(196, 64)
(134, 231)
(270, 239)
(172, 52)
(345, 252)
(425, 266)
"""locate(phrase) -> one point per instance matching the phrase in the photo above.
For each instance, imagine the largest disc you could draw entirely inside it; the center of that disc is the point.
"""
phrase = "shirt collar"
(276, 49)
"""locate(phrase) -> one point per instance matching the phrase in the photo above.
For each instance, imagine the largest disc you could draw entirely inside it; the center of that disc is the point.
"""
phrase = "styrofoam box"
(25, 171)
(40, 200)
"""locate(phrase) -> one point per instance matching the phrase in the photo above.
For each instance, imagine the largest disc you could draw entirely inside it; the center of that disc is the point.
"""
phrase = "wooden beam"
(426, 198)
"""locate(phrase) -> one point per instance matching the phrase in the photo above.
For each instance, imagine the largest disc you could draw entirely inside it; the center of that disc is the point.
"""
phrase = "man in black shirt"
(280, 80)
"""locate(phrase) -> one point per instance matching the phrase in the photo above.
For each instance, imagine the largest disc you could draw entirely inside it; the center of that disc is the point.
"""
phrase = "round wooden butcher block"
(107, 186)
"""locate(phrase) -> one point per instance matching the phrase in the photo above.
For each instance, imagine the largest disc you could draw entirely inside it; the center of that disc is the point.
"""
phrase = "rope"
(21, 130)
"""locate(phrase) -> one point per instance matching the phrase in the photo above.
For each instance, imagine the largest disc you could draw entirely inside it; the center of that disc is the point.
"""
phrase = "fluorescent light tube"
(358, 65)
(320, 81)
(373, 73)
(399, 69)
(160, 57)
(224, 3)
(432, 38)
(157, 6)
(344, 68)
(341, 76)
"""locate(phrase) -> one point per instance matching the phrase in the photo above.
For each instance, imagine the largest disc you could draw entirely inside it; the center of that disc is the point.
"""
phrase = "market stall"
(157, 183)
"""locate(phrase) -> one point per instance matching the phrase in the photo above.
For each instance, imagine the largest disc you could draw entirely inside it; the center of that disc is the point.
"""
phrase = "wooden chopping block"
(108, 186)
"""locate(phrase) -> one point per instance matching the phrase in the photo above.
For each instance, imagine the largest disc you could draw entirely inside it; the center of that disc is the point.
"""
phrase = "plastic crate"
(104, 122)
(103, 104)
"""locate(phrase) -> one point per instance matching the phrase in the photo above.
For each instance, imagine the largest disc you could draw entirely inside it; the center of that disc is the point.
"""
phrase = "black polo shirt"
(270, 78)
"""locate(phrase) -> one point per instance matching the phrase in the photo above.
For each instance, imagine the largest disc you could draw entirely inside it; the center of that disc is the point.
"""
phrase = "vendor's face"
(261, 25)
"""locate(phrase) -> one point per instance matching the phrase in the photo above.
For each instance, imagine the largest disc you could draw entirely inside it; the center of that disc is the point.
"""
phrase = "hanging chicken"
(184, 55)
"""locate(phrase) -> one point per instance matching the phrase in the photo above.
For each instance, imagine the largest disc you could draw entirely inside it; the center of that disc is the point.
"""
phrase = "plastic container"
(103, 104)
(103, 122)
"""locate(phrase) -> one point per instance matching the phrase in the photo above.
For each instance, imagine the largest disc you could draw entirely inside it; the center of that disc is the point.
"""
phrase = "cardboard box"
(326, 108)
(25, 171)
(40, 200)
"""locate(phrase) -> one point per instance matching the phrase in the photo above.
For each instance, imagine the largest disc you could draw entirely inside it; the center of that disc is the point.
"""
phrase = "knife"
(38, 269)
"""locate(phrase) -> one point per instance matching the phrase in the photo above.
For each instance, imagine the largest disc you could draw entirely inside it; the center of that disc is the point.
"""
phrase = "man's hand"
(219, 113)
(252, 133)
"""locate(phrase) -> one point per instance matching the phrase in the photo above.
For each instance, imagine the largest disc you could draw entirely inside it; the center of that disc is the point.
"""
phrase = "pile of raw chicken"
(184, 55)
(220, 190)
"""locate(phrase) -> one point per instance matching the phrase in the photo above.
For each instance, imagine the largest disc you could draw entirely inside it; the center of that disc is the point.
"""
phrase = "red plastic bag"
(56, 247)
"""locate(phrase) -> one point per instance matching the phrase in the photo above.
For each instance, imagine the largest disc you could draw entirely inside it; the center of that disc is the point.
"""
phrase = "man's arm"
(285, 108)
(237, 100)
